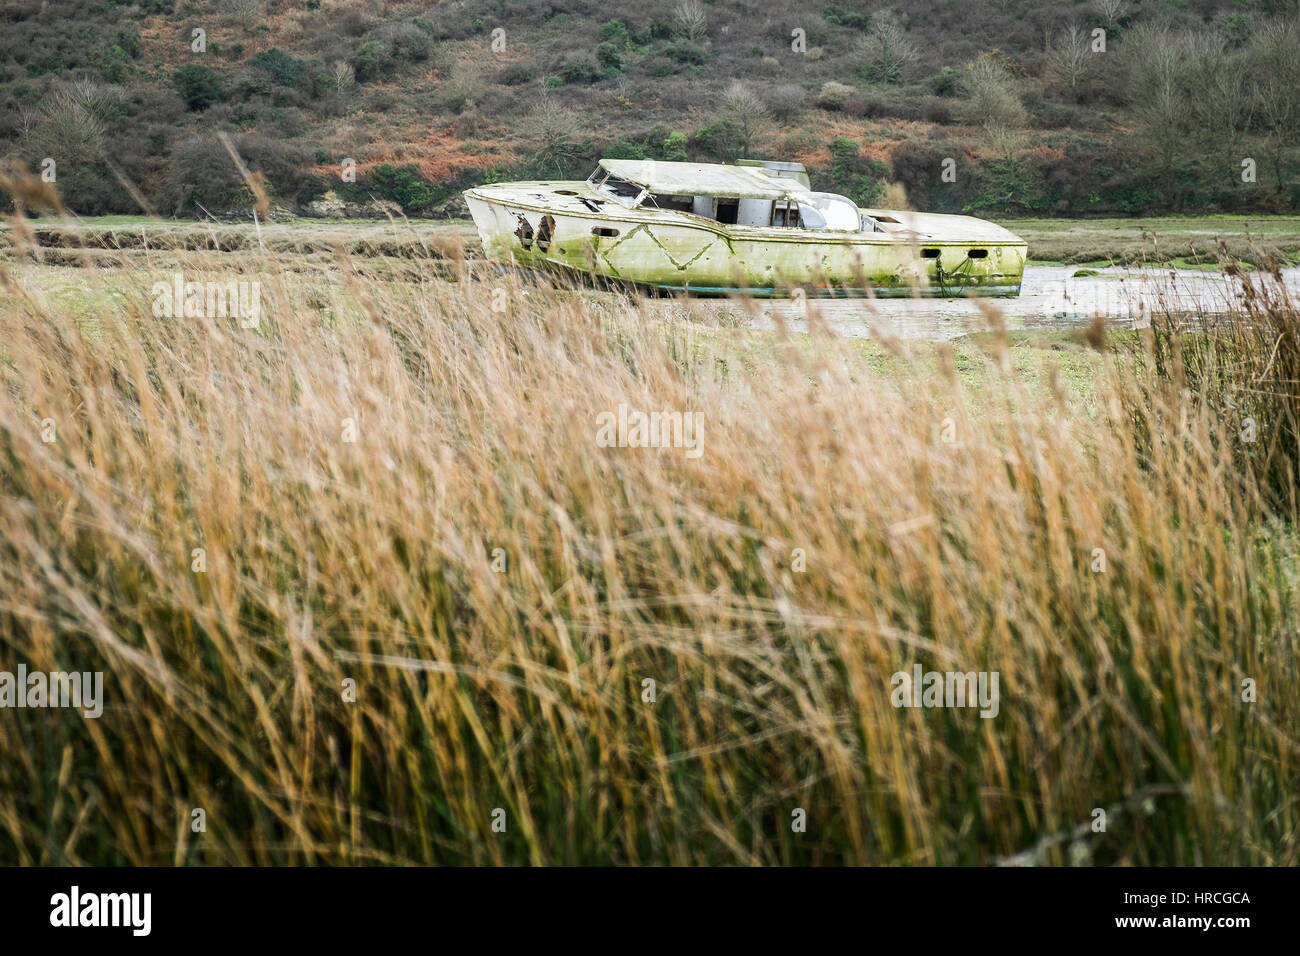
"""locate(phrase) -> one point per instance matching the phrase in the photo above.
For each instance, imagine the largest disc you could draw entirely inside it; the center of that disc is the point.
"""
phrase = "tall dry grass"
(326, 560)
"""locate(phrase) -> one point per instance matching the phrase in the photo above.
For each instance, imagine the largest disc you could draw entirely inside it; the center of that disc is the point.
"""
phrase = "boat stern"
(957, 255)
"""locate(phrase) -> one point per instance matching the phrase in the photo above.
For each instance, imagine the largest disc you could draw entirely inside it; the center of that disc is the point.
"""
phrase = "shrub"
(198, 86)
(373, 60)
(661, 66)
(280, 67)
(202, 172)
(853, 175)
(800, 141)
(611, 60)
(114, 63)
(516, 74)
(840, 17)
(407, 41)
(834, 96)
(785, 100)
(582, 68)
(688, 52)
(625, 150)
(401, 185)
(946, 82)
(675, 147)
(353, 23)
(462, 91)
(616, 32)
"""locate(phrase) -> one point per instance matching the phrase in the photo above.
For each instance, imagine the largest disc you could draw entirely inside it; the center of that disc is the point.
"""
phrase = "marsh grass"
(328, 560)
(1241, 365)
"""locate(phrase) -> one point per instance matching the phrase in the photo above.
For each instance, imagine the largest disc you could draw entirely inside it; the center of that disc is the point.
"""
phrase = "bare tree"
(556, 132)
(67, 130)
(98, 99)
(885, 48)
(1069, 60)
(344, 75)
(1111, 10)
(1194, 99)
(992, 103)
(28, 119)
(743, 112)
(1156, 59)
(1275, 54)
(1224, 104)
(690, 21)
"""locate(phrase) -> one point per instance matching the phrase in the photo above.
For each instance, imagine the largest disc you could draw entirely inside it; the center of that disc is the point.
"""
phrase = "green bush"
(852, 175)
(113, 63)
(851, 19)
(198, 86)
(675, 147)
(615, 31)
(283, 69)
(688, 52)
(945, 82)
(403, 186)
(625, 150)
(611, 60)
(373, 59)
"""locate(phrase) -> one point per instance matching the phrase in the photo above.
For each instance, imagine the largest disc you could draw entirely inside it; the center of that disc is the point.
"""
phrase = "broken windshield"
(619, 189)
(838, 213)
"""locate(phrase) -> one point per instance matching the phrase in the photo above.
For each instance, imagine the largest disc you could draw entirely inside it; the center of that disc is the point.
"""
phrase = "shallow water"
(1050, 298)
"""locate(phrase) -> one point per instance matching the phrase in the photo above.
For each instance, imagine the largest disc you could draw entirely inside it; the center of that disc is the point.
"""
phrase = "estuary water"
(1051, 297)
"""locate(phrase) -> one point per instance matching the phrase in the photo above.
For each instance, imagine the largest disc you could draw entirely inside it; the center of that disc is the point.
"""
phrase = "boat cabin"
(753, 193)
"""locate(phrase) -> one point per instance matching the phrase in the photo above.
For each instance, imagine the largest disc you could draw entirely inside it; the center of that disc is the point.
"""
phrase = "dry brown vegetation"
(327, 560)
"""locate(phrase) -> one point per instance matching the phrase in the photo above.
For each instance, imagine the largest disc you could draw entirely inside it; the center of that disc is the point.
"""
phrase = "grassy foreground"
(366, 589)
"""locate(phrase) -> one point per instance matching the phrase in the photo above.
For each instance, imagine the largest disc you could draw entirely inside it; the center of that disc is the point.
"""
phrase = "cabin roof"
(937, 227)
(702, 179)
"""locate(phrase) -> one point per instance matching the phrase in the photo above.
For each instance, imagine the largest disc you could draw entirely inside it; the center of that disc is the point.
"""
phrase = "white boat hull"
(552, 229)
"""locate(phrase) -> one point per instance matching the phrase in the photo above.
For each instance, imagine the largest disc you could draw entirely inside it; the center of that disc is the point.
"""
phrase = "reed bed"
(499, 587)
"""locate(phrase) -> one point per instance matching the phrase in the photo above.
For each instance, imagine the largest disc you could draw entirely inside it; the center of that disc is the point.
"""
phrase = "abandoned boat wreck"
(755, 228)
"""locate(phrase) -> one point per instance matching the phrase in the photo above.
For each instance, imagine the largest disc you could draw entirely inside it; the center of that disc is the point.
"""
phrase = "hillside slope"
(1010, 106)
